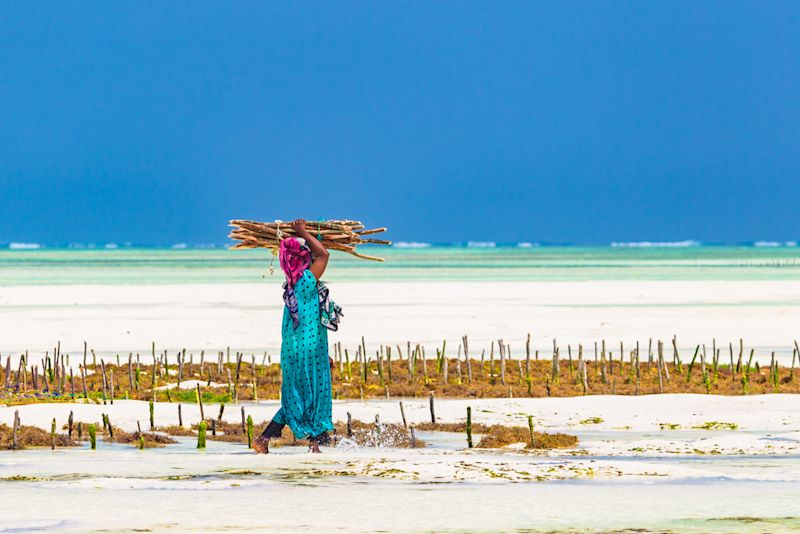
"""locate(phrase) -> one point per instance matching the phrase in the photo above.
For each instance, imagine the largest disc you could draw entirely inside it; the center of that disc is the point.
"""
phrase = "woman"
(306, 387)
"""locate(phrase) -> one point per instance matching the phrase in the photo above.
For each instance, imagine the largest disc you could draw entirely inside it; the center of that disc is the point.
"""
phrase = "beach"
(666, 462)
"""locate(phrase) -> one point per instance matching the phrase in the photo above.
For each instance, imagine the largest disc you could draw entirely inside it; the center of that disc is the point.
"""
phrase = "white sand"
(247, 316)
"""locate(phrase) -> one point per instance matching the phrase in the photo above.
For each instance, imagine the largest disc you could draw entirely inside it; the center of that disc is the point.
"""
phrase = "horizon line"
(410, 244)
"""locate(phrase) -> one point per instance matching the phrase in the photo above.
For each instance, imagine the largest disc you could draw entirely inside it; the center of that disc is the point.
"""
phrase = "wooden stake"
(389, 361)
(201, 435)
(111, 384)
(465, 342)
(528, 357)
(105, 381)
(424, 365)
(469, 427)
(444, 369)
(110, 429)
(556, 371)
(585, 377)
(255, 380)
(15, 428)
(8, 372)
(741, 351)
(180, 369)
(403, 415)
(141, 436)
(200, 402)
(502, 349)
(530, 429)
(83, 379)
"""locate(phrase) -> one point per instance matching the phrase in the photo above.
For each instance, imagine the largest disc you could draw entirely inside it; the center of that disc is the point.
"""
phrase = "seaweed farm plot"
(621, 463)
(392, 371)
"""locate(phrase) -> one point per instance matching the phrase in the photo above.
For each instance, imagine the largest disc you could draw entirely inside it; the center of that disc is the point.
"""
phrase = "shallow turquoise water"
(170, 266)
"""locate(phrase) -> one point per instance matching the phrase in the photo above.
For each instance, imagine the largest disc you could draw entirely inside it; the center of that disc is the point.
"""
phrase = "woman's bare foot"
(261, 445)
(313, 446)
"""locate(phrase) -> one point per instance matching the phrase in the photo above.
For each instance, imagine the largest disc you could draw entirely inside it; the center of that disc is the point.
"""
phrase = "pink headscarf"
(295, 257)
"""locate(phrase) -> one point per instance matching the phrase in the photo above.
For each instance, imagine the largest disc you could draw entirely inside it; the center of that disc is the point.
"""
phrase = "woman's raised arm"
(319, 252)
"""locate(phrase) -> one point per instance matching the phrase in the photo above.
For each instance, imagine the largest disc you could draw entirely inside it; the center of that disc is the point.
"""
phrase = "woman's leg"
(314, 443)
(273, 430)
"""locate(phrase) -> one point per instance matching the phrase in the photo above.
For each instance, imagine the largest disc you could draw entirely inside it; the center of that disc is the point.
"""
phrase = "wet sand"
(627, 472)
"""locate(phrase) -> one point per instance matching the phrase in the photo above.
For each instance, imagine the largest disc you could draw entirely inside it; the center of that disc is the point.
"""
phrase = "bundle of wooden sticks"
(334, 235)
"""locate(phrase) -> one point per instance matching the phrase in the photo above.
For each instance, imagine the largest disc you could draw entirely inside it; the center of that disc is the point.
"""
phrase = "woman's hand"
(299, 226)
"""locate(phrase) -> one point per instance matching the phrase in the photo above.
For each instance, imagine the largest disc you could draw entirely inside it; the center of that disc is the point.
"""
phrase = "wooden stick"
(528, 357)
(105, 381)
(201, 435)
(403, 415)
(111, 385)
(502, 348)
(200, 402)
(465, 342)
(83, 379)
(530, 429)
(343, 236)
(15, 428)
(469, 427)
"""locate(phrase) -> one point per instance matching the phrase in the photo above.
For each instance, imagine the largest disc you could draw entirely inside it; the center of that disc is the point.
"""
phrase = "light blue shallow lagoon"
(452, 263)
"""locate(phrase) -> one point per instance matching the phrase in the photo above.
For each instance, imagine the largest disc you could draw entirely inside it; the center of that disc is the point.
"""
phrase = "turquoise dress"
(306, 389)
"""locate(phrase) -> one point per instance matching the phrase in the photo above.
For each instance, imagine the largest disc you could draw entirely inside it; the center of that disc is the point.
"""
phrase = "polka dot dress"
(306, 388)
